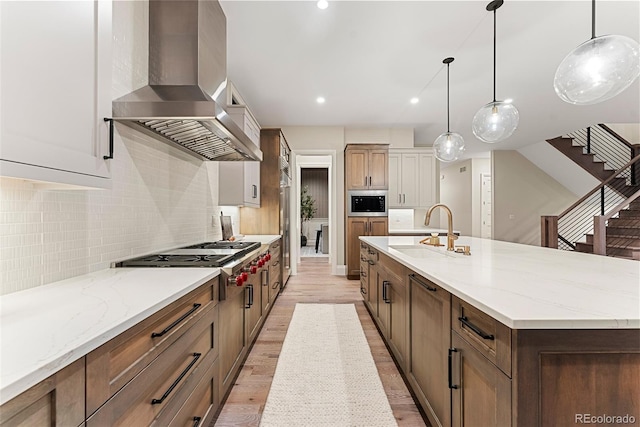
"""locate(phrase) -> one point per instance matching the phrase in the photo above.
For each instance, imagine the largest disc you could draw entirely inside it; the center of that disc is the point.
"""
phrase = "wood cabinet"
(253, 304)
(56, 91)
(393, 306)
(56, 401)
(275, 270)
(366, 166)
(361, 226)
(480, 391)
(233, 336)
(412, 178)
(430, 320)
(241, 179)
(148, 373)
(273, 215)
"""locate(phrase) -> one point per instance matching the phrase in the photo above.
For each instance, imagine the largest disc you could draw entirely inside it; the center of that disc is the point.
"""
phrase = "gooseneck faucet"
(450, 236)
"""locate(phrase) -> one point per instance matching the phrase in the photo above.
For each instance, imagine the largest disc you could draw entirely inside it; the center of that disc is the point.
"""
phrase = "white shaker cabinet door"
(56, 91)
(395, 180)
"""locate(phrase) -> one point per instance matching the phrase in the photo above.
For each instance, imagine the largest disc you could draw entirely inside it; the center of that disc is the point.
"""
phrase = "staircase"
(623, 234)
(607, 219)
(587, 161)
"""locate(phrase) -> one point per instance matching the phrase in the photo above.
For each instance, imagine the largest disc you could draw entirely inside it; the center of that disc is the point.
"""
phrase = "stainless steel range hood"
(187, 65)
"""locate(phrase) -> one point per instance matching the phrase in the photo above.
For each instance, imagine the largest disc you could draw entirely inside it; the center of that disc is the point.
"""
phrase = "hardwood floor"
(313, 284)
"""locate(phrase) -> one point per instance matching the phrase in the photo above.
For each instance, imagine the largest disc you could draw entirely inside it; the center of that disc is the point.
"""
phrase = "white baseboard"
(341, 270)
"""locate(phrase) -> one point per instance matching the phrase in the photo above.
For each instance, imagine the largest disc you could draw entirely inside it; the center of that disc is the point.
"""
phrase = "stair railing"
(600, 225)
(575, 222)
(607, 146)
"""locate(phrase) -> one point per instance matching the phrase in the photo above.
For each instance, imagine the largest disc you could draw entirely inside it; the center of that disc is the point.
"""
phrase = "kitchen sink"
(424, 251)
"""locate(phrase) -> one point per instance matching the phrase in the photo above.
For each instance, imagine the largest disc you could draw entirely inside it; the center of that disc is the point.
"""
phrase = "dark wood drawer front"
(159, 390)
(118, 361)
(490, 337)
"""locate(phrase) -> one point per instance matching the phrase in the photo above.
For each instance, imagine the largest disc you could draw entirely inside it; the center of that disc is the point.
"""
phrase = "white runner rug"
(325, 374)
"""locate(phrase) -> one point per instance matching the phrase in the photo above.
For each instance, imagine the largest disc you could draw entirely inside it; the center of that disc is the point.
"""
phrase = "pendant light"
(497, 120)
(598, 69)
(450, 145)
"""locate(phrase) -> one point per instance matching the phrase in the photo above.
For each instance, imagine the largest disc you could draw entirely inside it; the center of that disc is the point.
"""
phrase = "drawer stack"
(162, 371)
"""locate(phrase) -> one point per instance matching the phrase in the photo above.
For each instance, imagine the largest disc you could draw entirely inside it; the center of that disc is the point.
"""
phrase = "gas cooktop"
(207, 254)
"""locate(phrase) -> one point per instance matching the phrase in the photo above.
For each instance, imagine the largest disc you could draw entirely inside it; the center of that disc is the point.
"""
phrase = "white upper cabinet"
(240, 181)
(56, 91)
(412, 180)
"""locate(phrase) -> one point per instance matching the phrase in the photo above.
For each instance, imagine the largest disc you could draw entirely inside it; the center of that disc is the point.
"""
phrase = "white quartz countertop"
(44, 329)
(528, 287)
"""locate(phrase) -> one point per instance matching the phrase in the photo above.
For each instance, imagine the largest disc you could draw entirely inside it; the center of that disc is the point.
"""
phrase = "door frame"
(315, 159)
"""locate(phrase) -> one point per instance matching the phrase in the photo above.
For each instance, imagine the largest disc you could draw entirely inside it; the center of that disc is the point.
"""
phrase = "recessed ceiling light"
(323, 4)
(320, 100)
(414, 100)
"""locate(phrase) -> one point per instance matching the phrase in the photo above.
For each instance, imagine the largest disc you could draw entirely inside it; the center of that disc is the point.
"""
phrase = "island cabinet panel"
(56, 401)
(480, 392)
(560, 375)
(118, 361)
(369, 277)
(393, 306)
(430, 339)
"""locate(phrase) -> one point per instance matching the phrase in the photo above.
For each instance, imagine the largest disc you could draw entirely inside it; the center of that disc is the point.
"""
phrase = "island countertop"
(528, 287)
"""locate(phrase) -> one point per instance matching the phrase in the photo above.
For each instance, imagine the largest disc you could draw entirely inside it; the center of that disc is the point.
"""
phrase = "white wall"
(161, 197)
(460, 190)
(560, 167)
(629, 131)
(395, 137)
(522, 193)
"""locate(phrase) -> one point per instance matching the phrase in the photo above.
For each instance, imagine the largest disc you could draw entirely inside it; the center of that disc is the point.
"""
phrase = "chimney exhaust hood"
(187, 65)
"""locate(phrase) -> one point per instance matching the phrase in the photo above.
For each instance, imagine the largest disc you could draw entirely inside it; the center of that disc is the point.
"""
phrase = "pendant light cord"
(494, 54)
(593, 19)
(448, 130)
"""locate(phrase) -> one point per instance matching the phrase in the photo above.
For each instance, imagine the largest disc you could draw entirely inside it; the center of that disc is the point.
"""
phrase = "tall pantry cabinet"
(366, 168)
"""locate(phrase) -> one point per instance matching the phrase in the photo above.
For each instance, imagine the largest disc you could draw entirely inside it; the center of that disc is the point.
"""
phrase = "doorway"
(314, 159)
(314, 207)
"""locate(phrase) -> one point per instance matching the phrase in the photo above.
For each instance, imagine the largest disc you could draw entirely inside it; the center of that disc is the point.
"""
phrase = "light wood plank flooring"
(313, 284)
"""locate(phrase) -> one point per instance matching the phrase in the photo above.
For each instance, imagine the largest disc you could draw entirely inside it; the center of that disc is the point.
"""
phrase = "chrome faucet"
(450, 236)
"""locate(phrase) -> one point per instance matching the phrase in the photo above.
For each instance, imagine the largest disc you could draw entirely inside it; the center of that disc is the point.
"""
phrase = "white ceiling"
(369, 58)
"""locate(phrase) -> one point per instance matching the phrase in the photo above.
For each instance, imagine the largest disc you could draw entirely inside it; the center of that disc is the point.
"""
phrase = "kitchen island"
(511, 334)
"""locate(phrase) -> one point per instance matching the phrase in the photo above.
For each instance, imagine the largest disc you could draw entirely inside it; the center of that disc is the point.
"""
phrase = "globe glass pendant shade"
(495, 121)
(597, 70)
(448, 147)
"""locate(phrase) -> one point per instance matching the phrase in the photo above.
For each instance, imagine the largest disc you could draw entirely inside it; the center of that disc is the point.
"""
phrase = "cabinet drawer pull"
(415, 279)
(275, 264)
(371, 262)
(196, 356)
(363, 274)
(362, 258)
(174, 324)
(475, 329)
(363, 291)
(450, 359)
(276, 285)
(196, 421)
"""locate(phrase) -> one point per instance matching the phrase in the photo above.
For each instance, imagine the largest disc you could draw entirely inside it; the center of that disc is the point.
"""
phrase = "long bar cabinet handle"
(196, 421)
(415, 279)
(174, 324)
(450, 375)
(196, 356)
(250, 288)
(475, 329)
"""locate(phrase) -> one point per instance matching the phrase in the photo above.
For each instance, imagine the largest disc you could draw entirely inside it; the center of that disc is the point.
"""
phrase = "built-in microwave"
(367, 203)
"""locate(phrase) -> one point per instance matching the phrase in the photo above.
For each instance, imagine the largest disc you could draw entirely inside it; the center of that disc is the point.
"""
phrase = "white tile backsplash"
(160, 198)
